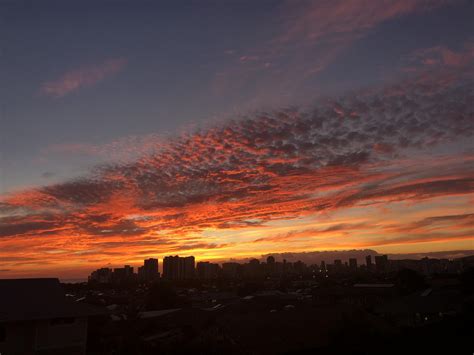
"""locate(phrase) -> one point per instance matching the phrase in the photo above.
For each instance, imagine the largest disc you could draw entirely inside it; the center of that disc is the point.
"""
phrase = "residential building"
(37, 318)
(178, 268)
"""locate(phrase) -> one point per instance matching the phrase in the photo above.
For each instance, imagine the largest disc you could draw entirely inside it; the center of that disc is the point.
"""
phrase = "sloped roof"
(423, 302)
(42, 298)
(154, 314)
(374, 285)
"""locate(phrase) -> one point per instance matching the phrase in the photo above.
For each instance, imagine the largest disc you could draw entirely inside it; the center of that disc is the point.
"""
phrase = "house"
(37, 318)
(422, 307)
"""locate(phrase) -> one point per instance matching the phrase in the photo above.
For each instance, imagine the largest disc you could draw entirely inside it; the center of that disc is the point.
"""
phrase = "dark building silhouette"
(381, 263)
(123, 274)
(231, 270)
(299, 267)
(178, 268)
(271, 266)
(37, 318)
(206, 270)
(253, 268)
(149, 271)
(368, 261)
(353, 264)
(103, 275)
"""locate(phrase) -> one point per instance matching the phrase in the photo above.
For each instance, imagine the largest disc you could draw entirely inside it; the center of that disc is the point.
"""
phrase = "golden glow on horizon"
(373, 227)
(290, 182)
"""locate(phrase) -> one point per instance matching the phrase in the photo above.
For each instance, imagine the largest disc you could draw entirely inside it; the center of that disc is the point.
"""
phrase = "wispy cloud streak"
(319, 30)
(82, 77)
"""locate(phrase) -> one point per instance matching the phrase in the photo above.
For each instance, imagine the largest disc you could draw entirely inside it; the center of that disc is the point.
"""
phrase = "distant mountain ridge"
(315, 257)
(452, 254)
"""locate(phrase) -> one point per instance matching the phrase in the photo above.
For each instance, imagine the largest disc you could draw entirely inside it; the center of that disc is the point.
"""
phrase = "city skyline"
(134, 131)
(350, 259)
(177, 268)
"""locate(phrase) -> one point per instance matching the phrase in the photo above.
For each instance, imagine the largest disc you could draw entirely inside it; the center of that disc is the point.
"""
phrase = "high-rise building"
(253, 268)
(149, 271)
(188, 267)
(103, 275)
(178, 268)
(171, 267)
(323, 266)
(353, 264)
(123, 274)
(381, 263)
(206, 270)
(231, 270)
(128, 271)
(299, 267)
(368, 261)
(270, 268)
(151, 265)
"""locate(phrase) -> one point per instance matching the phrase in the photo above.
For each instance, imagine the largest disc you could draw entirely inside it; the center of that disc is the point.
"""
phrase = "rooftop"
(42, 298)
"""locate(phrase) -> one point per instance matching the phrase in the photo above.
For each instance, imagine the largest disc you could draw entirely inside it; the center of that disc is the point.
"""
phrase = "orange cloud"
(443, 56)
(196, 193)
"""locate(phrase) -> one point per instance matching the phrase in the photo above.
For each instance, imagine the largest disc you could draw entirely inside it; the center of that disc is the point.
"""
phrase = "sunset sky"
(228, 129)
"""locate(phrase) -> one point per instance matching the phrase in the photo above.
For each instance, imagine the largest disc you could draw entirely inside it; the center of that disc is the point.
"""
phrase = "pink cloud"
(246, 58)
(332, 26)
(312, 35)
(340, 21)
(82, 77)
(442, 56)
(119, 150)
